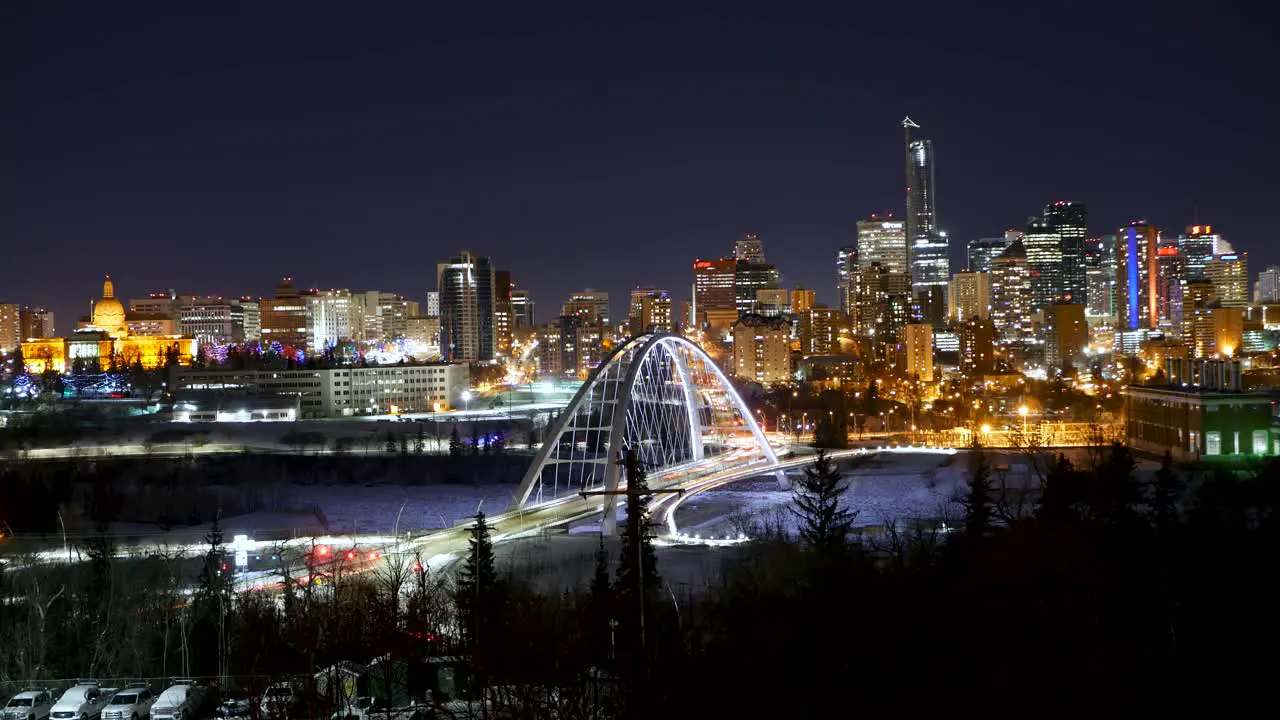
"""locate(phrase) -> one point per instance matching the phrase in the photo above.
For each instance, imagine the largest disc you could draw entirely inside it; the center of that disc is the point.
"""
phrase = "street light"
(466, 399)
(1023, 412)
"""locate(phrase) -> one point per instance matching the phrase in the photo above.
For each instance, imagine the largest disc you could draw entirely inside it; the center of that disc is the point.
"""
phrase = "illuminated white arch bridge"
(661, 396)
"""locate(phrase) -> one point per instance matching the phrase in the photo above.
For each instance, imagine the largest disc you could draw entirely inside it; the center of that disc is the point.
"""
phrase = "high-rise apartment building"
(1170, 277)
(466, 286)
(1230, 277)
(580, 346)
(977, 347)
(1100, 275)
(1267, 289)
(918, 346)
(750, 277)
(1011, 299)
(985, 250)
(713, 287)
(1197, 317)
(969, 296)
(504, 321)
(881, 239)
(432, 308)
(846, 268)
(1070, 221)
(1066, 335)
(749, 249)
(35, 322)
(879, 300)
(10, 328)
(762, 349)
(1198, 244)
(820, 331)
(649, 311)
(1043, 246)
(1136, 277)
(284, 318)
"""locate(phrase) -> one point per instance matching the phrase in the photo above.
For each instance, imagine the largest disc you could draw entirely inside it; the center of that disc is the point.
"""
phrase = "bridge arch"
(658, 394)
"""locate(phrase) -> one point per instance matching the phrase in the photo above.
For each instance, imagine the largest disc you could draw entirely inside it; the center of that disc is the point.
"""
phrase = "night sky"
(358, 144)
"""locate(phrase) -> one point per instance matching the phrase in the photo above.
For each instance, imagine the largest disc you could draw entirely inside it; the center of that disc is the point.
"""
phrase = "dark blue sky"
(357, 144)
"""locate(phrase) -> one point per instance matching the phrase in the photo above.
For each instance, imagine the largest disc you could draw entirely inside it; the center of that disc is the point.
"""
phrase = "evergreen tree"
(419, 442)
(391, 444)
(637, 577)
(600, 609)
(1166, 493)
(475, 439)
(455, 442)
(404, 445)
(200, 360)
(978, 510)
(831, 433)
(824, 525)
(212, 604)
(478, 591)
(871, 403)
(1058, 497)
(1116, 493)
(19, 363)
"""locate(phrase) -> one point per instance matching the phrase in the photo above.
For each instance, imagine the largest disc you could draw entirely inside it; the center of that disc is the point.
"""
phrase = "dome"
(108, 313)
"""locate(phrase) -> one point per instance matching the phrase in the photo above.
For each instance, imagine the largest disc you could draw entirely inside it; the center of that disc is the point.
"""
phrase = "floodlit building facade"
(762, 349)
(883, 240)
(969, 296)
(918, 346)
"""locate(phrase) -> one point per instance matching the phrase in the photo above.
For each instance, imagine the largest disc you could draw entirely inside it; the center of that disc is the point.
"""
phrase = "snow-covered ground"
(886, 489)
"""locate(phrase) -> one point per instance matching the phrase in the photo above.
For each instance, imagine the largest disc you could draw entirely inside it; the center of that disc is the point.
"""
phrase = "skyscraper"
(748, 278)
(983, 250)
(1198, 244)
(1044, 256)
(883, 240)
(590, 305)
(1100, 274)
(921, 210)
(1267, 289)
(1011, 294)
(750, 248)
(465, 284)
(1170, 277)
(930, 257)
(522, 308)
(1230, 277)
(930, 274)
(713, 286)
(846, 268)
(1070, 221)
(1136, 277)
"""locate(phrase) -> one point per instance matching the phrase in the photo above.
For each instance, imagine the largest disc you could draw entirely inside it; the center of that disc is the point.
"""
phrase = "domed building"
(108, 314)
(105, 341)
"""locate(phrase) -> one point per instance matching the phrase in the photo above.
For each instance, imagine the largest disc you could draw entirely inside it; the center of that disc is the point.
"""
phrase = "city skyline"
(123, 169)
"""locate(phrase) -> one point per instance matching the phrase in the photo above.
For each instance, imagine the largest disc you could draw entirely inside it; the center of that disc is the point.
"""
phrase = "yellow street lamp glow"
(986, 428)
(1023, 411)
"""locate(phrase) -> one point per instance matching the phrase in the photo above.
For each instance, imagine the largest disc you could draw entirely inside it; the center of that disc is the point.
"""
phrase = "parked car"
(31, 704)
(179, 702)
(82, 701)
(281, 700)
(131, 703)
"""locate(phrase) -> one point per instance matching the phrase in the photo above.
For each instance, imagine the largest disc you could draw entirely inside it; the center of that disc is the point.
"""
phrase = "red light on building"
(701, 264)
(1167, 251)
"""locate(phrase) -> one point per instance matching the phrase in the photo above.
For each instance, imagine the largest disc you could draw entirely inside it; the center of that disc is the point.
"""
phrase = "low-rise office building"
(345, 391)
(1202, 412)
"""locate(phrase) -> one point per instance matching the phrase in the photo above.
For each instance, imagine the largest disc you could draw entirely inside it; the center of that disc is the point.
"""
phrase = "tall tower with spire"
(930, 256)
